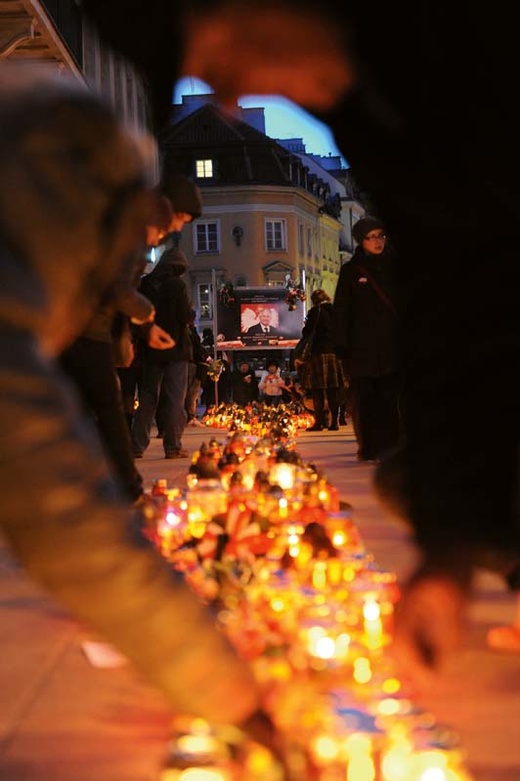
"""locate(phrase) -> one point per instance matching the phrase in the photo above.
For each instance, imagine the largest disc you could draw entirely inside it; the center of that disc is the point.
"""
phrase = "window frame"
(273, 221)
(204, 162)
(197, 225)
(201, 299)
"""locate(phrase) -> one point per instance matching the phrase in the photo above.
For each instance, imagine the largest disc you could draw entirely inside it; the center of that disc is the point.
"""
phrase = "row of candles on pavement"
(263, 536)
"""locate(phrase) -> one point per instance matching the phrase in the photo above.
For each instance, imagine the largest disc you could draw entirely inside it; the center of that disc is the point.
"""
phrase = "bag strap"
(380, 292)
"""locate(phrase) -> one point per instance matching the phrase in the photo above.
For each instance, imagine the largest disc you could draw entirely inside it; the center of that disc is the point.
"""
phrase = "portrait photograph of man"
(264, 322)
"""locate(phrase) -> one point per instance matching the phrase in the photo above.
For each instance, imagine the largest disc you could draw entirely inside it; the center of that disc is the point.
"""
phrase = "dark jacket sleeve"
(342, 311)
(174, 312)
(126, 298)
(310, 322)
(78, 538)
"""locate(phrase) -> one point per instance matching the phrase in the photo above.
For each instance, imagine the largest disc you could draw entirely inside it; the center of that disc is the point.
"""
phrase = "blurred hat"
(183, 194)
(363, 227)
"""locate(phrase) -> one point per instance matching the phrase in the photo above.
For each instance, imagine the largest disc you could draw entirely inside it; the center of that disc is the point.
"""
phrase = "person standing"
(366, 338)
(89, 363)
(167, 369)
(322, 374)
(182, 199)
(271, 385)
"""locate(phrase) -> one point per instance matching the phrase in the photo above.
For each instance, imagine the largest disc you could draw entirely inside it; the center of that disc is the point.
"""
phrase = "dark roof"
(242, 153)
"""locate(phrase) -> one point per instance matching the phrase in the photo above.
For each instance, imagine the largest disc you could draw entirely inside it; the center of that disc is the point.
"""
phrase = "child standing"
(272, 385)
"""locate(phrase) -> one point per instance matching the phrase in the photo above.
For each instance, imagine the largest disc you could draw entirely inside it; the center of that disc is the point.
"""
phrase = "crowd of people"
(409, 115)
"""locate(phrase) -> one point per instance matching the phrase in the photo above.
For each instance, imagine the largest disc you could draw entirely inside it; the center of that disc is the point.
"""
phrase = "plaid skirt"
(322, 371)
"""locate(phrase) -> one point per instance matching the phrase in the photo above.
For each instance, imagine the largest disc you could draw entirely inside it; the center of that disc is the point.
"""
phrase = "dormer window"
(204, 169)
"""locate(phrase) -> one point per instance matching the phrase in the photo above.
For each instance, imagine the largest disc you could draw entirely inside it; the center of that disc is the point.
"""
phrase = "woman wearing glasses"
(366, 334)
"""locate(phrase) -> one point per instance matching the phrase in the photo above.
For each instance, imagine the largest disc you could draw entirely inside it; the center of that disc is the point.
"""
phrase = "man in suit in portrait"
(264, 328)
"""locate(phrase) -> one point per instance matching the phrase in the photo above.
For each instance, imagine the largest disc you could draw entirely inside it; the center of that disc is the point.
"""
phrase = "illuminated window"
(275, 231)
(204, 169)
(207, 237)
(205, 301)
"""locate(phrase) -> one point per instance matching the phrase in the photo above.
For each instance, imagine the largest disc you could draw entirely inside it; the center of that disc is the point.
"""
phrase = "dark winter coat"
(320, 320)
(366, 327)
(244, 392)
(323, 370)
(173, 309)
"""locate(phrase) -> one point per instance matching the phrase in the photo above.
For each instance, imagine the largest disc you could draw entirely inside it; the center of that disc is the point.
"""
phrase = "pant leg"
(361, 403)
(89, 363)
(160, 412)
(151, 378)
(175, 380)
(318, 399)
(193, 392)
(332, 398)
(128, 378)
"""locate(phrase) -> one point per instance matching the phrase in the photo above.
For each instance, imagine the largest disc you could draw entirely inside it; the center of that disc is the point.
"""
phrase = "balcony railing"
(66, 16)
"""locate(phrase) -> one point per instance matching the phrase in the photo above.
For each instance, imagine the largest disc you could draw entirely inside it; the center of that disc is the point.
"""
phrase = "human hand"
(159, 339)
(428, 626)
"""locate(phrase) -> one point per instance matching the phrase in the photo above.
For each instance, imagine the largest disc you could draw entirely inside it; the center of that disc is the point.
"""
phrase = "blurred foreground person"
(73, 175)
(419, 102)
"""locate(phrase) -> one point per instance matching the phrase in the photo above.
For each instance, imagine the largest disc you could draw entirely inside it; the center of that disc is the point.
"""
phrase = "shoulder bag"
(303, 350)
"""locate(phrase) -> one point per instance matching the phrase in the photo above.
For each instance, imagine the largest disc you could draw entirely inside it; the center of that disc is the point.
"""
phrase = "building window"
(205, 296)
(275, 231)
(204, 169)
(207, 237)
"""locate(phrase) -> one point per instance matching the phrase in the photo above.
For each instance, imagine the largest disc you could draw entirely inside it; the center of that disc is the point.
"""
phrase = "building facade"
(270, 215)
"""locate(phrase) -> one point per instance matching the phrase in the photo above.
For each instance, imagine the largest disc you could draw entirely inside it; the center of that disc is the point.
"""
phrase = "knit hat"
(364, 226)
(183, 193)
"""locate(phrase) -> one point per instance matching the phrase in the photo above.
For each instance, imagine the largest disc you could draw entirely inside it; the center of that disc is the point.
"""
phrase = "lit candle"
(319, 575)
(361, 764)
(372, 623)
(283, 474)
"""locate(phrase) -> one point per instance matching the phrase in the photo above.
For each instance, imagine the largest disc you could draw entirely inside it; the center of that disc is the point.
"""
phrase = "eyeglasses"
(377, 237)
